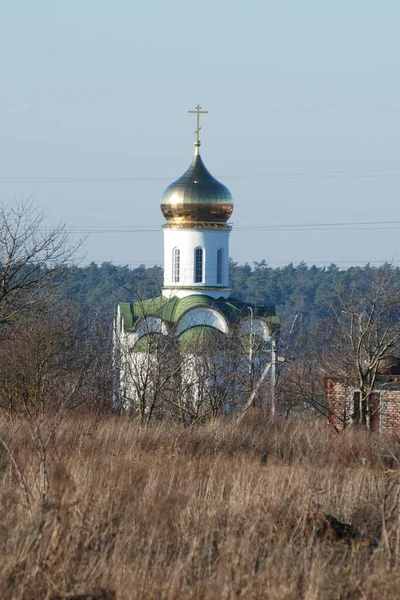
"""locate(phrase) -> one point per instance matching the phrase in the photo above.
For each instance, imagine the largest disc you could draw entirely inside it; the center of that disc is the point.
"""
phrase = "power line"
(340, 226)
(337, 174)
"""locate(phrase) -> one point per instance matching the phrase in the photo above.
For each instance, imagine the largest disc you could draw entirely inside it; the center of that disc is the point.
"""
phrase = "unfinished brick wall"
(338, 402)
(391, 410)
(385, 405)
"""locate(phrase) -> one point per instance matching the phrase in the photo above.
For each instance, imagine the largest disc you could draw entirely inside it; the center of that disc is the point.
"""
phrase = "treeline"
(302, 291)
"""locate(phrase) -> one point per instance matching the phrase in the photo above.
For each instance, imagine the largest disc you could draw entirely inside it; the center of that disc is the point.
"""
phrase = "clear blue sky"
(100, 89)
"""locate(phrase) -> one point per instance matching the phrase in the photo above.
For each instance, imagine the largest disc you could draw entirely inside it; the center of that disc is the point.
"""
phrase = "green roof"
(198, 336)
(195, 338)
(171, 309)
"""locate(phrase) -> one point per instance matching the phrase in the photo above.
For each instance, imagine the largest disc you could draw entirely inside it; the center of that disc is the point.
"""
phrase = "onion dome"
(197, 198)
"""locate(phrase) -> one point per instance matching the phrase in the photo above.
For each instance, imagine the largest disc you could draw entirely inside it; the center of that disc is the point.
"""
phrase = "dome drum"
(186, 214)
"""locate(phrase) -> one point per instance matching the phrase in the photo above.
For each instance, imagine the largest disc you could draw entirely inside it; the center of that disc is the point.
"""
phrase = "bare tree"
(362, 332)
(58, 358)
(215, 375)
(32, 258)
(300, 386)
(51, 362)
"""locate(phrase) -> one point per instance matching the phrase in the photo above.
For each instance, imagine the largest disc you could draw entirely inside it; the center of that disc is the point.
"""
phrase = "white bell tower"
(196, 235)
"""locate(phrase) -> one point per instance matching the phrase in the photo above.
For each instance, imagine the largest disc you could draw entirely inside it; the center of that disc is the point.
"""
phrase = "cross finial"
(197, 111)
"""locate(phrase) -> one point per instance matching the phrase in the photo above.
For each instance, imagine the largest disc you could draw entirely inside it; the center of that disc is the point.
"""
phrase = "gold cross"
(198, 112)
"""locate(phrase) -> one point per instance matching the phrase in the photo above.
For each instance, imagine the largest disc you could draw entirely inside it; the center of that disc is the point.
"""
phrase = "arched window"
(176, 265)
(198, 265)
(220, 255)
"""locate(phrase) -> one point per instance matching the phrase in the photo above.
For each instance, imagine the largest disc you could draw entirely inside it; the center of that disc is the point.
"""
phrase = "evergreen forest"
(302, 293)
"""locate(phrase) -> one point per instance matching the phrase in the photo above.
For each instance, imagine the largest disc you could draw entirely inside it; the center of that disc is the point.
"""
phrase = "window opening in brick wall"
(374, 404)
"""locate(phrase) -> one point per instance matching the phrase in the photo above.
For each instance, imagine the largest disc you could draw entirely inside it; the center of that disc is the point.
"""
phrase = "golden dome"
(197, 198)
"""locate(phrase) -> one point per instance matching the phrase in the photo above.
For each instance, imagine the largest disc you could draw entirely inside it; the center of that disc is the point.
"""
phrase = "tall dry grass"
(216, 512)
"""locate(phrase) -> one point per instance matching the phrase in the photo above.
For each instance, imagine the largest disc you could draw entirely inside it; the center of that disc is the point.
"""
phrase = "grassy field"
(217, 511)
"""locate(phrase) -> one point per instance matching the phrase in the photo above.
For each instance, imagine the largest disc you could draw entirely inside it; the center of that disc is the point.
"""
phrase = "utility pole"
(274, 362)
(251, 353)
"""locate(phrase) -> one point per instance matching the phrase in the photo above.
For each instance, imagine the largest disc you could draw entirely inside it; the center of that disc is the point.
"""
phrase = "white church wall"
(217, 384)
(141, 377)
(140, 382)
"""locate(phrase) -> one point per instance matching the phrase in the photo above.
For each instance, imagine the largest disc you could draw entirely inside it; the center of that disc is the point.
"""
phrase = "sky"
(303, 124)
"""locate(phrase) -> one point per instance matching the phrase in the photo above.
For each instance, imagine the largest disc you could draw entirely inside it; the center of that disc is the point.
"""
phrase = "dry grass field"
(218, 511)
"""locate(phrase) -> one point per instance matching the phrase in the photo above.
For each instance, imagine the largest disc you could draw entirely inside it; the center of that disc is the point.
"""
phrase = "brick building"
(343, 399)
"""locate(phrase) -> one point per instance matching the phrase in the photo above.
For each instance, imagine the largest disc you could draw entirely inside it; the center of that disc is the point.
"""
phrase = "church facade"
(193, 341)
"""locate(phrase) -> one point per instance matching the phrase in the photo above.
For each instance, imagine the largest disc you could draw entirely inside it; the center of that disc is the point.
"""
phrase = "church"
(193, 346)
